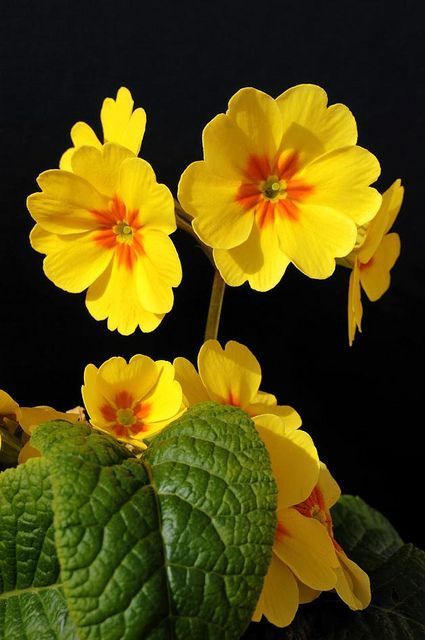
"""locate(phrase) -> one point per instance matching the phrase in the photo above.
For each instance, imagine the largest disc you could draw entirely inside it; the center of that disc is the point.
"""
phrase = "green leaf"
(32, 604)
(365, 534)
(397, 574)
(174, 545)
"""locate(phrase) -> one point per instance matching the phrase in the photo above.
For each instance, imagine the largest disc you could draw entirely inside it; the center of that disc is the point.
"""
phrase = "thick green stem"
(214, 311)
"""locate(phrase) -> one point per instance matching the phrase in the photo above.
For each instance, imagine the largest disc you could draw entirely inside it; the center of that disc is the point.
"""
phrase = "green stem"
(216, 303)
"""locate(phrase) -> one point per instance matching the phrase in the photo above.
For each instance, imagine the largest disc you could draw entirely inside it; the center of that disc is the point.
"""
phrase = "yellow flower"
(306, 558)
(106, 227)
(119, 122)
(281, 181)
(132, 401)
(229, 376)
(374, 258)
(14, 416)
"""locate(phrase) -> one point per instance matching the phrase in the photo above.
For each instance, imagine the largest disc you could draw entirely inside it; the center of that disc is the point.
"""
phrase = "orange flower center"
(126, 415)
(272, 188)
(120, 229)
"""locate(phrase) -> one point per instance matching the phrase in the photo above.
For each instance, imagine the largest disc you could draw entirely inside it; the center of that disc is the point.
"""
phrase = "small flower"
(120, 124)
(131, 401)
(229, 376)
(281, 181)
(306, 558)
(375, 256)
(106, 227)
(13, 417)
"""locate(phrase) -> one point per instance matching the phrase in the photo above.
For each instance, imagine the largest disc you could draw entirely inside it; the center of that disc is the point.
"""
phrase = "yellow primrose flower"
(119, 122)
(373, 259)
(131, 401)
(14, 416)
(306, 558)
(106, 227)
(281, 181)
(229, 376)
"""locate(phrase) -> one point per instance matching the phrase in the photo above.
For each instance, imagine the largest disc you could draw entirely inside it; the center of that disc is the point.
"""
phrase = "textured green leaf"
(175, 545)
(32, 605)
(397, 574)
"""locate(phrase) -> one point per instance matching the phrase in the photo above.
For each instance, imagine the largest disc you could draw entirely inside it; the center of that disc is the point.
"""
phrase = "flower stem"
(214, 311)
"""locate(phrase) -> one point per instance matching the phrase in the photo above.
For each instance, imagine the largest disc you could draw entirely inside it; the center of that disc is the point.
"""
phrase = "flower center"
(315, 507)
(273, 188)
(123, 231)
(126, 417)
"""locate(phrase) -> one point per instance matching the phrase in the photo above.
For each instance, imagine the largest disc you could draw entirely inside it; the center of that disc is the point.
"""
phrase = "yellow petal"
(78, 262)
(165, 398)
(355, 309)
(120, 124)
(157, 270)
(261, 397)
(314, 240)
(101, 167)
(328, 486)
(340, 179)
(140, 191)
(392, 200)
(353, 584)
(259, 260)
(279, 598)
(114, 296)
(375, 276)
(294, 459)
(307, 594)
(226, 148)
(81, 134)
(290, 418)
(219, 221)
(30, 417)
(257, 115)
(46, 242)
(231, 375)
(27, 452)
(307, 549)
(66, 203)
(310, 126)
(190, 381)
(8, 406)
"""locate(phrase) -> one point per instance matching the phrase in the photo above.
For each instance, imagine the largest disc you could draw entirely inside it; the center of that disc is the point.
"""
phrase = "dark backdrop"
(182, 62)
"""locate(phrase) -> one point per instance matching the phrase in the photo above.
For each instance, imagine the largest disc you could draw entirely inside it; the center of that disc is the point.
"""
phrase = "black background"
(182, 61)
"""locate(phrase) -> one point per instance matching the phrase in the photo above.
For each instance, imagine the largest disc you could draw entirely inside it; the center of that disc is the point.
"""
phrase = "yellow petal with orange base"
(220, 221)
(309, 124)
(120, 123)
(193, 389)
(114, 296)
(306, 547)
(278, 601)
(141, 192)
(375, 276)
(66, 203)
(165, 398)
(232, 375)
(294, 459)
(259, 260)
(328, 486)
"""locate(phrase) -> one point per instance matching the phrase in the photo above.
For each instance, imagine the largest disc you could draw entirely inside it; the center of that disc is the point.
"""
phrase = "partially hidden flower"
(374, 257)
(306, 558)
(120, 124)
(282, 181)
(105, 227)
(27, 418)
(229, 376)
(131, 400)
